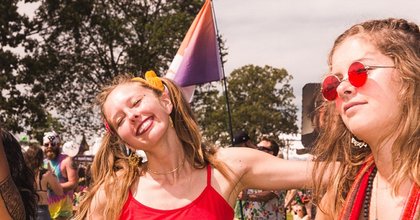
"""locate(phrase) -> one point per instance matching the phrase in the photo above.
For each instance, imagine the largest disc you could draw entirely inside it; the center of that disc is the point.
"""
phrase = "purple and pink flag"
(198, 59)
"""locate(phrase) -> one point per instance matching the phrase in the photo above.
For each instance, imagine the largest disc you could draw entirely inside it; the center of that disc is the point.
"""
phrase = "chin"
(361, 134)
(51, 156)
(360, 128)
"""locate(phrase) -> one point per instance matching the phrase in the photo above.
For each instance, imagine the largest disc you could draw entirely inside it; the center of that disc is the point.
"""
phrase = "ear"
(166, 103)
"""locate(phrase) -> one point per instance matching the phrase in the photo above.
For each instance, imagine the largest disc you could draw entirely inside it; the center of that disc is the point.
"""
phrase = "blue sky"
(295, 34)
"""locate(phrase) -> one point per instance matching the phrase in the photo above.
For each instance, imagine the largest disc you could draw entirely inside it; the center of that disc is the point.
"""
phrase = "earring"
(134, 159)
(171, 122)
(357, 143)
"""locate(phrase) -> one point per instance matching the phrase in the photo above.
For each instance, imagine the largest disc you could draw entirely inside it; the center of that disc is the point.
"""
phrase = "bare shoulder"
(240, 160)
(97, 204)
(69, 163)
(48, 174)
(235, 154)
(234, 157)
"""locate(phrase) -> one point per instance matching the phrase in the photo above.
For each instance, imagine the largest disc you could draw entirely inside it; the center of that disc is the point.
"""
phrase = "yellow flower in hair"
(154, 80)
(151, 79)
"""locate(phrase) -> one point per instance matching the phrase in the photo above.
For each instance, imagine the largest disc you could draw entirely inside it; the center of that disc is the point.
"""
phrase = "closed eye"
(361, 70)
(120, 121)
(339, 76)
(137, 101)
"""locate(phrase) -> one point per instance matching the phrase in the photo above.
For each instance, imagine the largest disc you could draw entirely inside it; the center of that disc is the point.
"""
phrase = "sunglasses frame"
(265, 149)
(332, 86)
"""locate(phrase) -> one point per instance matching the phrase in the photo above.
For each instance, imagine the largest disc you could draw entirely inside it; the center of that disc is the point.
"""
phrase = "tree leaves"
(73, 48)
(261, 103)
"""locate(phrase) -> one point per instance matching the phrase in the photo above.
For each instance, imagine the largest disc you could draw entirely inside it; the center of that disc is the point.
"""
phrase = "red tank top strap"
(208, 175)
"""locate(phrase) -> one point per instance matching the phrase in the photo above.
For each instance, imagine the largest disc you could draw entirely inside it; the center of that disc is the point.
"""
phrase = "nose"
(132, 115)
(345, 89)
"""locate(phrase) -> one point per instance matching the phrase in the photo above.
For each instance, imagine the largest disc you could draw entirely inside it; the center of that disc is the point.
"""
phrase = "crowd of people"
(365, 160)
(44, 177)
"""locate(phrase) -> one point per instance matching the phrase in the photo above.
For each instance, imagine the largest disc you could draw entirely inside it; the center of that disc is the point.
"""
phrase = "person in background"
(17, 192)
(44, 179)
(264, 204)
(372, 114)
(83, 186)
(300, 197)
(241, 139)
(299, 212)
(63, 167)
(183, 177)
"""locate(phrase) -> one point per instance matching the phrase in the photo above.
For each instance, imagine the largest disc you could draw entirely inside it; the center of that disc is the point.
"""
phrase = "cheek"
(338, 105)
(124, 132)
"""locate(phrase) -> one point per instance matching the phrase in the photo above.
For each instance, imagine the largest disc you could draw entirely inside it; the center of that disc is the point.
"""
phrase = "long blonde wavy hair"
(111, 170)
(399, 40)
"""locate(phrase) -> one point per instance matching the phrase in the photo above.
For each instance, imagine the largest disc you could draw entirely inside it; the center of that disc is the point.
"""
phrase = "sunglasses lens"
(357, 74)
(329, 87)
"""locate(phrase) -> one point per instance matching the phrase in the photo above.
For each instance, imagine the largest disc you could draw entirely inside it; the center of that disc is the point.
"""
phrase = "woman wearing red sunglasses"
(372, 99)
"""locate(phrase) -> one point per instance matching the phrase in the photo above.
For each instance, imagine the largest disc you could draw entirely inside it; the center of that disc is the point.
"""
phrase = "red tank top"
(209, 205)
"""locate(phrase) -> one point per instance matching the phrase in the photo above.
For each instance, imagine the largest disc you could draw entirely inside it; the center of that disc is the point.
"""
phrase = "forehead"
(265, 143)
(121, 94)
(355, 48)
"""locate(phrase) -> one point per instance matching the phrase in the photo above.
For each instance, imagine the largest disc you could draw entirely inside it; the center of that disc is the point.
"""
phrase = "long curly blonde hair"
(111, 170)
(399, 40)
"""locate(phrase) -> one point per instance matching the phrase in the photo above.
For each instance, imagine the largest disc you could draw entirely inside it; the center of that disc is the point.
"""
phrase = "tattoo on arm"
(74, 165)
(11, 197)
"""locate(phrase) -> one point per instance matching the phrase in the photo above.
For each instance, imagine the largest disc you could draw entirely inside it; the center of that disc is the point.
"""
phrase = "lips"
(352, 104)
(144, 126)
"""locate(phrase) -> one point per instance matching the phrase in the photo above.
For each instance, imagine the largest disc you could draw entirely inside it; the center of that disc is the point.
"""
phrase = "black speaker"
(311, 100)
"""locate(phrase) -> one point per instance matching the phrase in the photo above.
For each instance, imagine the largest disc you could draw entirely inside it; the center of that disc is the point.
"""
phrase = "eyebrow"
(362, 60)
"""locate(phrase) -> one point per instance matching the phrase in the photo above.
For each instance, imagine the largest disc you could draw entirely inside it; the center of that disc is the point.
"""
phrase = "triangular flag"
(198, 59)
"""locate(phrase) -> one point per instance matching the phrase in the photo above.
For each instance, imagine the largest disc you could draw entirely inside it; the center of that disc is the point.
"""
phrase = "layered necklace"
(167, 172)
(411, 205)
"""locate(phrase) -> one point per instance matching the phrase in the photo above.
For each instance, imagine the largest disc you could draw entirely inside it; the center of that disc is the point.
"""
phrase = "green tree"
(20, 107)
(74, 47)
(261, 102)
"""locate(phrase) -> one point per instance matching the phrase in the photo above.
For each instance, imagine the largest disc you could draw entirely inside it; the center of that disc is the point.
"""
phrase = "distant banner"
(83, 158)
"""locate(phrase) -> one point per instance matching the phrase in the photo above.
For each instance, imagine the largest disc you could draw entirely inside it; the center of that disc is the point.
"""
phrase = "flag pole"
(224, 85)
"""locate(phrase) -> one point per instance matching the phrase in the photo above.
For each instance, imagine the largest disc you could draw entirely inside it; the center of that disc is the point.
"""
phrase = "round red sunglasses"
(357, 76)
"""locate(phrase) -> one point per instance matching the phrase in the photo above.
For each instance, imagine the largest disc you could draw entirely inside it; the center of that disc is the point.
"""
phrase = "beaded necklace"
(366, 201)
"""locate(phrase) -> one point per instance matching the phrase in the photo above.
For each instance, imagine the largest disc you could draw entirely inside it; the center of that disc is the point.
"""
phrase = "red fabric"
(352, 205)
(360, 196)
(411, 209)
(209, 205)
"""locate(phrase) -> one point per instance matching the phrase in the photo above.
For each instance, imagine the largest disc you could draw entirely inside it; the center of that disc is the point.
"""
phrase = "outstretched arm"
(259, 170)
(53, 183)
(11, 204)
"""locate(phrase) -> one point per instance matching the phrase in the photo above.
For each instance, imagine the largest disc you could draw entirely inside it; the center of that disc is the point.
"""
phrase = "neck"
(166, 172)
(385, 203)
(382, 153)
